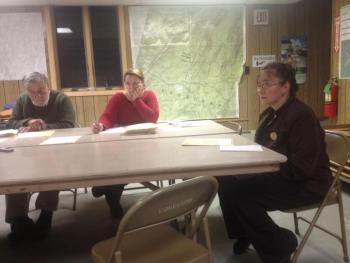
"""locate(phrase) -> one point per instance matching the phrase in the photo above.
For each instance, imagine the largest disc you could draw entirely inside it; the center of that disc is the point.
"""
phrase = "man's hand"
(35, 125)
(97, 127)
(24, 129)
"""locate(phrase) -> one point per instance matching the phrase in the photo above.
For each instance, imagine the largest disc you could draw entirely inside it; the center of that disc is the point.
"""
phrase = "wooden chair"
(338, 152)
(144, 235)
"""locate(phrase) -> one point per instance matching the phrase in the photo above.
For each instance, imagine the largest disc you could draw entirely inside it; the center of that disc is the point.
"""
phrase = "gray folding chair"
(338, 152)
(144, 235)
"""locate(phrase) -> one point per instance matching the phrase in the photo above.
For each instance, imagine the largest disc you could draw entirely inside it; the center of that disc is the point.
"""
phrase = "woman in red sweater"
(135, 105)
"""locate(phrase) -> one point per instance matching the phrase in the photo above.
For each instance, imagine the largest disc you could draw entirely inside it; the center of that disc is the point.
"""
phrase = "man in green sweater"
(38, 108)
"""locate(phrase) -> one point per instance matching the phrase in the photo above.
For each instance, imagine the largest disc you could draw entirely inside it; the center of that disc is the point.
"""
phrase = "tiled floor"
(74, 233)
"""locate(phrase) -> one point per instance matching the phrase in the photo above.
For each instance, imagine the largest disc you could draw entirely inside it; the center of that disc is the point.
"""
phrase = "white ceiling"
(138, 2)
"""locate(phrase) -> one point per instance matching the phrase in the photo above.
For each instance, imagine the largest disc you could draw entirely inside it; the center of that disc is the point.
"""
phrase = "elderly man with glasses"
(38, 108)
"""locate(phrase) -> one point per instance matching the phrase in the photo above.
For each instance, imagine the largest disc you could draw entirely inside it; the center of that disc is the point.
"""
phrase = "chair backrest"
(236, 126)
(338, 150)
(169, 203)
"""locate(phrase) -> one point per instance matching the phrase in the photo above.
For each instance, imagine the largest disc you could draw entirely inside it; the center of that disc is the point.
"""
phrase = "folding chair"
(144, 235)
(236, 126)
(338, 152)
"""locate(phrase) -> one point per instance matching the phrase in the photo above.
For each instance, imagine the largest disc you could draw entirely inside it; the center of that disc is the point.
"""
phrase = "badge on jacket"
(273, 136)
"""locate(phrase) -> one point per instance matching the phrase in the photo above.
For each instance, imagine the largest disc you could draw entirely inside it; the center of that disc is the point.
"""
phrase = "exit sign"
(261, 17)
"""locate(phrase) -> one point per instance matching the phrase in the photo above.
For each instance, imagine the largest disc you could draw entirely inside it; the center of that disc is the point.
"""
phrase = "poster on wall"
(344, 54)
(293, 52)
(22, 45)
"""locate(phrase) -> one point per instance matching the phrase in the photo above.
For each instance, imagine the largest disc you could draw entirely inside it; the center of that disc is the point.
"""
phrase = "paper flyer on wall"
(293, 52)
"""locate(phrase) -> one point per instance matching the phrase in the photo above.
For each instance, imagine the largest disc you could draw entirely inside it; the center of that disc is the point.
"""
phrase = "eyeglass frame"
(266, 85)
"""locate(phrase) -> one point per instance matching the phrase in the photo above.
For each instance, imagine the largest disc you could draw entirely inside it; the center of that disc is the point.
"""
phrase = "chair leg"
(85, 190)
(307, 234)
(75, 192)
(207, 238)
(342, 226)
(296, 224)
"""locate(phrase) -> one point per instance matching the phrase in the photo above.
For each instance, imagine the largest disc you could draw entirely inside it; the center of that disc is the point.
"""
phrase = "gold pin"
(273, 136)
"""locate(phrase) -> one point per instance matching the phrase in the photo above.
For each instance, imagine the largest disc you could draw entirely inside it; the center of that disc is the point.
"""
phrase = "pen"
(6, 149)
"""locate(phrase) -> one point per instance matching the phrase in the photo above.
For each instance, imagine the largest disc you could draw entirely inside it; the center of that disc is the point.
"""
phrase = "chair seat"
(332, 200)
(157, 244)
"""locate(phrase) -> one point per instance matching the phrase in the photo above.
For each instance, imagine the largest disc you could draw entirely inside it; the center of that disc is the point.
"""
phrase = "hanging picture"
(293, 52)
(344, 54)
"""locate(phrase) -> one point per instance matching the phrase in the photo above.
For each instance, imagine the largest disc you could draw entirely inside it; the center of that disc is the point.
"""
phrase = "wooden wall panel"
(308, 17)
(252, 48)
(99, 105)
(11, 90)
(2, 95)
(80, 111)
(89, 110)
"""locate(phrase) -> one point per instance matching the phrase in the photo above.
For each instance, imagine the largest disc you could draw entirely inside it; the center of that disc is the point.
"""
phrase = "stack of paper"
(141, 128)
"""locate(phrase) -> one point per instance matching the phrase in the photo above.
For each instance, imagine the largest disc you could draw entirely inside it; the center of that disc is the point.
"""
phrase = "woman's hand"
(135, 93)
(97, 127)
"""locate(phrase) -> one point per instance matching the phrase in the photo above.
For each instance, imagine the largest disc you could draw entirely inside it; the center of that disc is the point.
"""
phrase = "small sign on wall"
(261, 17)
(262, 60)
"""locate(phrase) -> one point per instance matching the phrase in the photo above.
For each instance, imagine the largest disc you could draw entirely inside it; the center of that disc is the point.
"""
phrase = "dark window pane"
(104, 28)
(70, 46)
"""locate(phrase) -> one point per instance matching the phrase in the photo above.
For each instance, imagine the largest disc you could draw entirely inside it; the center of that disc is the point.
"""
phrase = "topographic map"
(191, 56)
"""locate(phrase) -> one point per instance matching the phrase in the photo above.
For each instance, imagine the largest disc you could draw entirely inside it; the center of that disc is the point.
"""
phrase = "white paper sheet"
(187, 124)
(60, 140)
(119, 130)
(140, 128)
(47, 133)
(206, 141)
(241, 148)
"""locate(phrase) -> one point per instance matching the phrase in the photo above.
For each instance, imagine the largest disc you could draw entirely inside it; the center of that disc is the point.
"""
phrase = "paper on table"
(119, 130)
(141, 128)
(206, 141)
(8, 133)
(187, 124)
(60, 140)
(241, 148)
(3, 139)
(47, 133)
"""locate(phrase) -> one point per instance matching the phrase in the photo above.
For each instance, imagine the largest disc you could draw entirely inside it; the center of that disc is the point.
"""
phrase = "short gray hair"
(35, 77)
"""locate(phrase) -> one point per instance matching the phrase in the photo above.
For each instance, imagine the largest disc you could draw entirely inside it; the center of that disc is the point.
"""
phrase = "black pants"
(245, 201)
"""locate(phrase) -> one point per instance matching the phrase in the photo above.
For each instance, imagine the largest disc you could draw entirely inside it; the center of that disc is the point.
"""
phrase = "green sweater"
(57, 114)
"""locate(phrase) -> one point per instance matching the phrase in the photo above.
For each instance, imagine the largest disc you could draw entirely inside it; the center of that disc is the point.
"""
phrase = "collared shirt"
(294, 130)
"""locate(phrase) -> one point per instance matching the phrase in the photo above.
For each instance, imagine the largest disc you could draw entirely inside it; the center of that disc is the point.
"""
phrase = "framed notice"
(261, 17)
(262, 60)
(344, 53)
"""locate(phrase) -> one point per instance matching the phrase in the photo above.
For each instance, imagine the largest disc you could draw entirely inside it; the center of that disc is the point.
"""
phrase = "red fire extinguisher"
(330, 98)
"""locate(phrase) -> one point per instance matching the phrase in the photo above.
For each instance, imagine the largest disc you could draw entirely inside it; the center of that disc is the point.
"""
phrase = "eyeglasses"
(39, 93)
(266, 85)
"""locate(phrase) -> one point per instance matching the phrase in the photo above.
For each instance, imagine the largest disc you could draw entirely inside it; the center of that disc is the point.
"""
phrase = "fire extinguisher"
(330, 98)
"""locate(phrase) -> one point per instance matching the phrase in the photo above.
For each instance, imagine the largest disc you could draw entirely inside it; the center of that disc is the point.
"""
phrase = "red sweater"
(120, 111)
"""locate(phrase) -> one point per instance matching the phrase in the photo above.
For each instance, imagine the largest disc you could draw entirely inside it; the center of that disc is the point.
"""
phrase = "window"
(105, 41)
(192, 57)
(70, 47)
(88, 47)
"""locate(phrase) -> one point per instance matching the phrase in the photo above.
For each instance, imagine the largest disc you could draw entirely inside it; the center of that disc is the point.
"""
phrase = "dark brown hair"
(285, 73)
